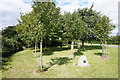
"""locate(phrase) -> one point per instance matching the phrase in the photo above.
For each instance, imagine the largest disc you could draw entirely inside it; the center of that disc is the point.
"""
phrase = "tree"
(114, 39)
(39, 23)
(69, 30)
(74, 28)
(90, 17)
(11, 43)
(47, 15)
(60, 29)
(80, 28)
(23, 29)
(102, 29)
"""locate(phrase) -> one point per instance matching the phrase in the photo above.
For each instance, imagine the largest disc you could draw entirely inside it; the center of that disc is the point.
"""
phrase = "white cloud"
(70, 8)
(10, 10)
(107, 7)
(114, 32)
(74, 5)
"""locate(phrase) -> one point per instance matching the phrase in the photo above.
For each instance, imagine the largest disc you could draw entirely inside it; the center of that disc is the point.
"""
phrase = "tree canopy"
(45, 23)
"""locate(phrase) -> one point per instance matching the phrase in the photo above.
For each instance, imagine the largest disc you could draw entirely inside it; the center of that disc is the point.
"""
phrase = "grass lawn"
(23, 64)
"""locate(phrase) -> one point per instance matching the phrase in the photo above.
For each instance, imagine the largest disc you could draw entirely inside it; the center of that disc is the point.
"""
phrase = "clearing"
(23, 64)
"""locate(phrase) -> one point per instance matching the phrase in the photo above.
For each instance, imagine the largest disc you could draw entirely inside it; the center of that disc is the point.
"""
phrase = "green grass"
(23, 64)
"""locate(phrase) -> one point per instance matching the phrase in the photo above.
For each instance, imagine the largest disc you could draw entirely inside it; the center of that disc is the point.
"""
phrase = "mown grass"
(23, 64)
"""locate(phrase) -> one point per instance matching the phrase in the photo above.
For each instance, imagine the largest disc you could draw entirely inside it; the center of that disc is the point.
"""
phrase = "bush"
(11, 43)
(10, 46)
(114, 40)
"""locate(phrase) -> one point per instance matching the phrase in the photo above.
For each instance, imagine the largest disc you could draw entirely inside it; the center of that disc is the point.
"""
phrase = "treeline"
(46, 25)
(11, 43)
(112, 40)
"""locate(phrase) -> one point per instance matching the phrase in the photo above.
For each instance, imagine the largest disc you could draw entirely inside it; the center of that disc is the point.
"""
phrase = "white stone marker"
(83, 61)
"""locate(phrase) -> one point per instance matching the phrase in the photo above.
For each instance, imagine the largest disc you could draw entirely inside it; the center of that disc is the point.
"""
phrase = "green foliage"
(10, 41)
(10, 46)
(46, 23)
(39, 24)
(10, 32)
(90, 17)
(114, 40)
(74, 26)
(81, 24)
(103, 28)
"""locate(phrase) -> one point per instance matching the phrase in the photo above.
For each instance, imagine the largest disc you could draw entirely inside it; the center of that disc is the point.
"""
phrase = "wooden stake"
(102, 49)
(72, 47)
(78, 46)
(41, 55)
(106, 47)
(35, 49)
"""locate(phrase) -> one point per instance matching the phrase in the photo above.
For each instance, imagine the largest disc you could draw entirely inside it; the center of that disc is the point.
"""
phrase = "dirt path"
(117, 46)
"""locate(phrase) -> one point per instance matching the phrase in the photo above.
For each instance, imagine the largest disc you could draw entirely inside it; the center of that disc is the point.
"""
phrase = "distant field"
(23, 64)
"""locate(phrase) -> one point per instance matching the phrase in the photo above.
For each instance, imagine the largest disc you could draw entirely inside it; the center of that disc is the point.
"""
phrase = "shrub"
(10, 46)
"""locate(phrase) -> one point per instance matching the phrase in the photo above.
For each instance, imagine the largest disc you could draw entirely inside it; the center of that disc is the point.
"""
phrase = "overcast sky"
(10, 9)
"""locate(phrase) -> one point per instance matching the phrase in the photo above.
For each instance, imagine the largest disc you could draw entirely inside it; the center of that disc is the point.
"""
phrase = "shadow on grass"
(59, 61)
(50, 50)
(91, 47)
(78, 53)
(100, 54)
(47, 53)
(6, 61)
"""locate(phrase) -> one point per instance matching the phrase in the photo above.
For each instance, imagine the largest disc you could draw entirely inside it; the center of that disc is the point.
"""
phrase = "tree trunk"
(91, 42)
(35, 49)
(68, 44)
(72, 52)
(83, 43)
(100, 44)
(60, 44)
(45, 46)
(106, 47)
(78, 46)
(102, 48)
(41, 55)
